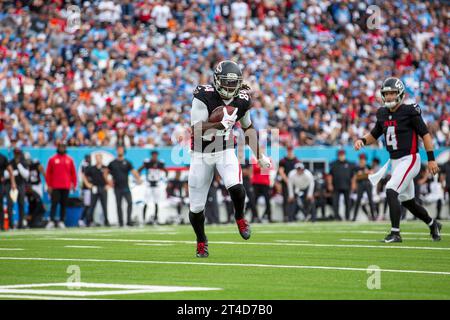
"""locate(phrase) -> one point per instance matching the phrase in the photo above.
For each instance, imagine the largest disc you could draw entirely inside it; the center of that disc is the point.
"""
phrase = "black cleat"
(392, 237)
(202, 249)
(435, 231)
(244, 228)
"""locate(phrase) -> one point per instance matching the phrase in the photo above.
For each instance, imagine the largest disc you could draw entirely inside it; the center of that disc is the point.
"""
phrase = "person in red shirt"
(61, 177)
(261, 185)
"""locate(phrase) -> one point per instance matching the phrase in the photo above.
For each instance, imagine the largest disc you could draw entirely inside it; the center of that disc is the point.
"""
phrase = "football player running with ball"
(401, 125)
(213, 146)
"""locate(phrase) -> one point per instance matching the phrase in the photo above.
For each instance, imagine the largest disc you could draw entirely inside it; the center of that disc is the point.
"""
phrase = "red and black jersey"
(211, 98)
(401, 129)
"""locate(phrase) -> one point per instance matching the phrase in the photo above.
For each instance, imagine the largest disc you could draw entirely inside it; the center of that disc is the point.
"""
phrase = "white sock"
(395, 230)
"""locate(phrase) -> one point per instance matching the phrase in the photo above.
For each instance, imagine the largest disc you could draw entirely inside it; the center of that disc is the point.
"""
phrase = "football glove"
(264, 162)
(228, 120)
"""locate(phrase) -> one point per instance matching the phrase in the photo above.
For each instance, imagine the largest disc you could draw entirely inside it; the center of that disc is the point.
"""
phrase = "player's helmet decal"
(227, 79)
(393, 85)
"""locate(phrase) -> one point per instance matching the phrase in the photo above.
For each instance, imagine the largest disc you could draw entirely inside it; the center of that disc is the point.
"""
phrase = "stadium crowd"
(108, 73)
(121, 73)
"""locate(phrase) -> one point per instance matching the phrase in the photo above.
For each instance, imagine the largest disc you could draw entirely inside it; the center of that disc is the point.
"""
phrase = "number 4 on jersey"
(391, 138)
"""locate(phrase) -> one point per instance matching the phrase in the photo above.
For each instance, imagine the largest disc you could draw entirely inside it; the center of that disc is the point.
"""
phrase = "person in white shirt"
(240, 13)
(301, 185)
(161, 14)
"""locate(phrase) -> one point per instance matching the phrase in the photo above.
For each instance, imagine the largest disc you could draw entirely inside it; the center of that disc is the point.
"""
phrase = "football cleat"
(392, 237)
(244, 228)
(202, 249)
(435, 231)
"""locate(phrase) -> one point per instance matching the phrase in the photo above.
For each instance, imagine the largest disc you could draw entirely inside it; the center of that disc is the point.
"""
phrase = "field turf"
(325, 260)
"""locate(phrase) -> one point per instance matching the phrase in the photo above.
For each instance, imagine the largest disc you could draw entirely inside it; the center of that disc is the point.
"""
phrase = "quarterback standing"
(213, 147)
(401, 125)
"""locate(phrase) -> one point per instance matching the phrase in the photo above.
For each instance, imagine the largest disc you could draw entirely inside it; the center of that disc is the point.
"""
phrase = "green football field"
(326, 260)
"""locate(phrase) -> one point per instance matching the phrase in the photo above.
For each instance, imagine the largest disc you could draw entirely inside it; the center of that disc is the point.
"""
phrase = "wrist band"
(364, 140)
(430, 155)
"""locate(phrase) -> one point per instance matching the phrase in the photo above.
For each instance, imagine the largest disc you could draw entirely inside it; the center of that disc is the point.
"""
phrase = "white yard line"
(250, 265)
(323, 231)
(325, 245)
(83, 247)
(121, 289)
(375, 240)
(292, 241)
(11, 249)
(74, 231)
(154, 244)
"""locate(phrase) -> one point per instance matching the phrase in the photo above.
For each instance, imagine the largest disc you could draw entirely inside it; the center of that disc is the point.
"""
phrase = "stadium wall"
(137, 155)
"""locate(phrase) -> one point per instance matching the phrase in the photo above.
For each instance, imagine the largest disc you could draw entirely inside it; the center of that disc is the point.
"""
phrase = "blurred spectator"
(7, 182)
(322, 196)
(433, 193)
(161, 13)
(339, 182)
(285, 166)
(314, 67)
(21, 173)
(36, 209)
(85, 191)
(37, 172)
(177, 192)
(445, 180)
(155, 172)
(61, 177)
(119, 169)
(261, 185)
(301, 187)
(95, 179)
(361, 185)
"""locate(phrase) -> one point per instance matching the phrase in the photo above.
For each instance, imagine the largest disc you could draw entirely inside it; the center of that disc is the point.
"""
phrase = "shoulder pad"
(202, 89)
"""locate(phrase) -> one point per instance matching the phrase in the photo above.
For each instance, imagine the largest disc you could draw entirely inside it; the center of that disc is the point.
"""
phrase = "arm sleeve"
(377, 131)
(246, 121)
(199, 111)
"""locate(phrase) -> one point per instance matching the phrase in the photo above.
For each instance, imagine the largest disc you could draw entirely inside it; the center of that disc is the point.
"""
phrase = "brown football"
(217, 114)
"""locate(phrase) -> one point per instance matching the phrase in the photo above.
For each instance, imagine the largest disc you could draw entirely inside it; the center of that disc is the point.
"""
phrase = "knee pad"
(237, 192)
(195, 208)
